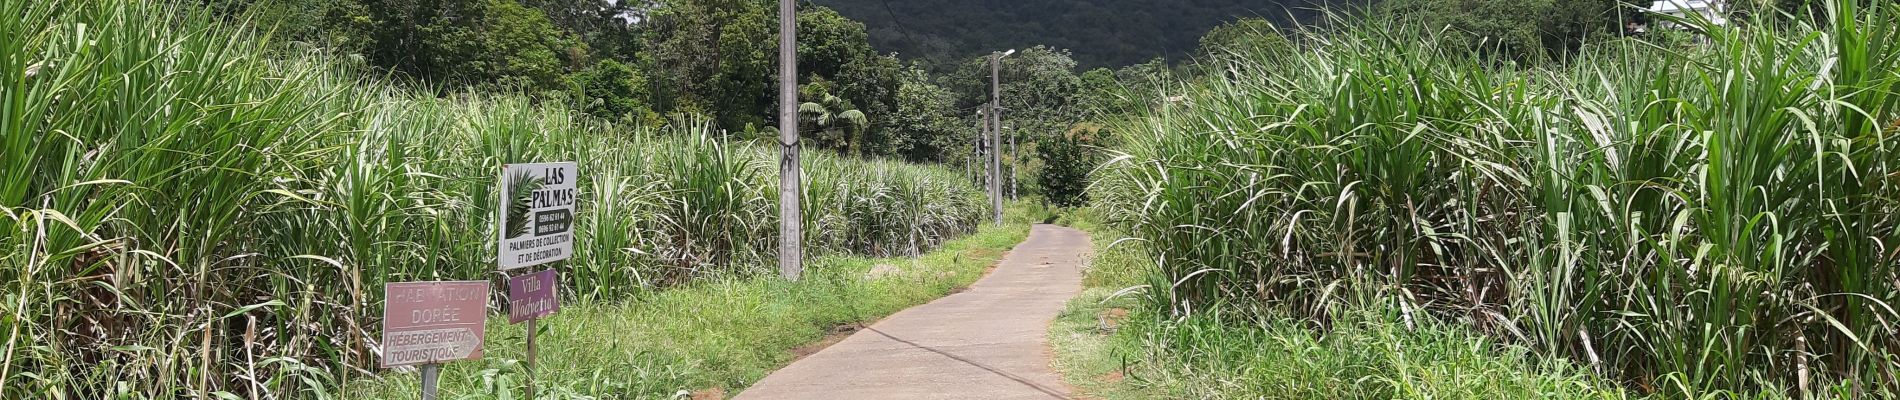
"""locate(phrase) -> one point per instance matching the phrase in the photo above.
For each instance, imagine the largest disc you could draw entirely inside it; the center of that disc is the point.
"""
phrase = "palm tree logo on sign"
(521, 187)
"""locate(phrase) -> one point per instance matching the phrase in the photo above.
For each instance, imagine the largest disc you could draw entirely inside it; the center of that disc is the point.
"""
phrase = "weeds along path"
(988, 342)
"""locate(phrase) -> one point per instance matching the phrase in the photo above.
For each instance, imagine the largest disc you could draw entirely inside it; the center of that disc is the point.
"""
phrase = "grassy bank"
(1705, 217)
(192, 209)
(1109, 344)
(708, 337)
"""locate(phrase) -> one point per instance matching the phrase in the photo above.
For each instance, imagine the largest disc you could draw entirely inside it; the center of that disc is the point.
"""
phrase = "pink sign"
(433, 322)
(533, 296)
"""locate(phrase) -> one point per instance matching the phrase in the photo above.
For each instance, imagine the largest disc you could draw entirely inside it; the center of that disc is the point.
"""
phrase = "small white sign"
(537, 214)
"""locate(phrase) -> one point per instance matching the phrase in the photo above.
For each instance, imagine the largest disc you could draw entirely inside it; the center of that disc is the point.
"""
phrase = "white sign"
(537, 214)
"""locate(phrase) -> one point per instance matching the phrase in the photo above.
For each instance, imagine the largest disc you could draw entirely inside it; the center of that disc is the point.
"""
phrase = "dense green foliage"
(647, 62)
(1104, 34)
(1714, 217)
(934, 129)
(1067, 161)
(638, 61)
(1518, 29)
(191, 209)
(831, 121)
(717, 57)
(1043, 99)
(611, 89)
(1246, 36)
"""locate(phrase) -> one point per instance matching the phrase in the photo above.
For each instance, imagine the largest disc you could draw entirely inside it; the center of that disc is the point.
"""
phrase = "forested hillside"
(649, 63)
(1103, 33)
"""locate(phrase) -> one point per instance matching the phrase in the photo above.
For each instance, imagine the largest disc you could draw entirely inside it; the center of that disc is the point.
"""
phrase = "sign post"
(430, 374)
(536, 227)
(428, 323)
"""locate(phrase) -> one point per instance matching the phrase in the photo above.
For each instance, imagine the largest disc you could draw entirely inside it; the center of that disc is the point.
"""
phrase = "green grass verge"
(711, 337)
(1116, 347)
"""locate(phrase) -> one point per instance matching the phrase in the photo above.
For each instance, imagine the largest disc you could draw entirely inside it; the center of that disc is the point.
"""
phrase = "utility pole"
(1015, 162)
(976, 162)
(994, 165)
(996, 125)
(791, 217)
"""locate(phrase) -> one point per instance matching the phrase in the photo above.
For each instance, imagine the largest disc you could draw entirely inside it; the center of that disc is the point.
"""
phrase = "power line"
(900, 23)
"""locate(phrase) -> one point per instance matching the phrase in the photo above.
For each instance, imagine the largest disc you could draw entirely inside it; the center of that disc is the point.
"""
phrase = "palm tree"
(835, 120)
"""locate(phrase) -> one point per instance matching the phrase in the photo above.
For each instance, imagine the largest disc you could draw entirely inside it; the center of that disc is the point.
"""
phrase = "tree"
(500, 41)
(686, 52)
(464, 42)
(1244, 37)
(1039, 85)
(837, 124)
(446, 43)
(745, 89)
(1106, 93)
(602, 25)
(611, 89)
(1102, 95)
(1104, 33)
(926, 126)
(342, 25)
(1040, 92)
(838, 50)
(1066, 163)
(1520, 30)
(719, 57)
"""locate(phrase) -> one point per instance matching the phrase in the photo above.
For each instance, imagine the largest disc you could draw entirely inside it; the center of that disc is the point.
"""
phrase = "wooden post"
(531, 332)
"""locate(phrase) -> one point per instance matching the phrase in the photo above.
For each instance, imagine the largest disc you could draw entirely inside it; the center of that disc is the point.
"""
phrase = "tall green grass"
(192, 210)
(1690, 218)
(1113, 348)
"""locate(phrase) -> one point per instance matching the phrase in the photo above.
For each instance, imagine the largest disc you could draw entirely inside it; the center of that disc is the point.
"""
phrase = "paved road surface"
(987, 342)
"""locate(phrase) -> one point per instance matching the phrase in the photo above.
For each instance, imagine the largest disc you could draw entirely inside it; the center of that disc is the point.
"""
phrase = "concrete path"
(987, 342)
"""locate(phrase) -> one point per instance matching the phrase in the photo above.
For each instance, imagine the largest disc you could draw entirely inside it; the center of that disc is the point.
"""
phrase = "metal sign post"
(430, 373)
(536, 227)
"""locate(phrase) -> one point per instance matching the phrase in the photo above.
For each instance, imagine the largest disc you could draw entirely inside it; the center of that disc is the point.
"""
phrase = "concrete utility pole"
(1015, 160)
(996, 125)
(993, 164)
(977, 162)
(791, 217)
